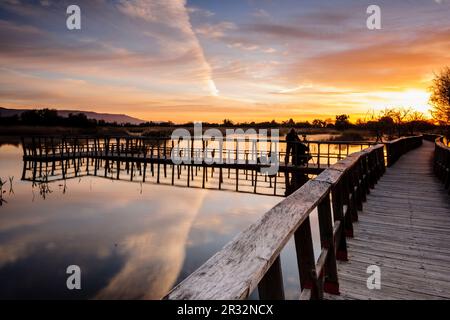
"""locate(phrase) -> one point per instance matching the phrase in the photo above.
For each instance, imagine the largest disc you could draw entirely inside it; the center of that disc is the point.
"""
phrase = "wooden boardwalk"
(404, 229)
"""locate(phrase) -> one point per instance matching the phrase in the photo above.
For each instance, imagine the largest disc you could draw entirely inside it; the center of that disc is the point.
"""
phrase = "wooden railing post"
(329, 270)
(271, 285)
(357, 185)
(441, 162)
(337, 195)
(373, 169)
(353, 201)
(306, 261)
(346, 192)
(365, 176)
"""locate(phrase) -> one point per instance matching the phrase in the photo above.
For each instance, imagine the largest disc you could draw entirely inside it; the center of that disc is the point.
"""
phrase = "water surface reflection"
(130, 240)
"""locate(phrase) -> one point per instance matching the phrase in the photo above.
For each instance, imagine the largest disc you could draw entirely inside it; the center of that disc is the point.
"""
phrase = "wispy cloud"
(200, 12)
(260, 13)
(215, 31)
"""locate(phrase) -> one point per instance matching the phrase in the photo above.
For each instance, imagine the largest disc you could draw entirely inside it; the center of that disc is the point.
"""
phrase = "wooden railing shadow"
(252, 259)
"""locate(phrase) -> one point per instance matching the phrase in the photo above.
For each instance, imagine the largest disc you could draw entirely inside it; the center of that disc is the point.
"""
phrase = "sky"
(207, 60)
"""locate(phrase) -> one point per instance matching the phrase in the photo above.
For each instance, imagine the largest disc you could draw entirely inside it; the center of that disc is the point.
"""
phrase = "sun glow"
(411, 98)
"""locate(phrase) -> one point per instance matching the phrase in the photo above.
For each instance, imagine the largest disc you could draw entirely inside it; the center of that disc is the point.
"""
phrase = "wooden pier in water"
(144, 159)
(396, 218)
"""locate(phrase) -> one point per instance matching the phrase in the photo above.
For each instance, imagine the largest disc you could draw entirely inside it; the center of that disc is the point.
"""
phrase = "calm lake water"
(131, 240)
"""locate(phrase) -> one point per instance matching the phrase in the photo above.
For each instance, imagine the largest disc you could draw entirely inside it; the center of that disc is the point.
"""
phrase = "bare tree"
(440, 98)
(415, 121)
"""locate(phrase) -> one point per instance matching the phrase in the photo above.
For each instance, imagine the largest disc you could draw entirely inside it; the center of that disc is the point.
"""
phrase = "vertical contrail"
(174, 14)
(209, 83)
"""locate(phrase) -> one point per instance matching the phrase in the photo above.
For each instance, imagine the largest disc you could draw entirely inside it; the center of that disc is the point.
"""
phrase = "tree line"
(49, 118)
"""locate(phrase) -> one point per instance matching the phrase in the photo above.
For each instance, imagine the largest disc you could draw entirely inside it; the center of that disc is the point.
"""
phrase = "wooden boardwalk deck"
(404, 229)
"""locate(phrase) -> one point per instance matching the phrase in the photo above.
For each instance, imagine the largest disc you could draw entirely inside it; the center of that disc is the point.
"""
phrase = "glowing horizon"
(181, 61)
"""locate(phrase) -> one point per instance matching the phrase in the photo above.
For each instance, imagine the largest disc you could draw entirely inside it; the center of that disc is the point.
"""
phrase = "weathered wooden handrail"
(441, 162)
(252, 259)
(396, 148)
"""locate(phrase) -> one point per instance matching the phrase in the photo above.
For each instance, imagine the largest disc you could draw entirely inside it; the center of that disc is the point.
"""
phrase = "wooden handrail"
(252, 259)
(441, 161)
(396, 148)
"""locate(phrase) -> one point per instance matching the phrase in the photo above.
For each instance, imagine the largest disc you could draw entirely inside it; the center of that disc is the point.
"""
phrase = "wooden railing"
(322, 153)
(396, 148)
(442, 161)
(252, 259)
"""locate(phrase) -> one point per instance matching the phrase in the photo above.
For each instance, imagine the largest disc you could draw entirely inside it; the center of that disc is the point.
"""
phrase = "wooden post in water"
(132, 170)
(22, 140)
(188, 168)
(318, 155)
(159, 158)
(62, 158)
(246, 161)
(145, 163)
(173, 173)
(40, 156)
(151, 161)
(54, 157)
(165, 158)
(328, 154)
(203, 177)
(192, 159)
(275, 185)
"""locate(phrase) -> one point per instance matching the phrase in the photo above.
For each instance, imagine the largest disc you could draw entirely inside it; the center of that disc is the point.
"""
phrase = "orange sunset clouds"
(209, 60)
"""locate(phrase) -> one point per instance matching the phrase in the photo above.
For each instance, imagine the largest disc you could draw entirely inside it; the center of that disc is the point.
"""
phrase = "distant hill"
(108, 117)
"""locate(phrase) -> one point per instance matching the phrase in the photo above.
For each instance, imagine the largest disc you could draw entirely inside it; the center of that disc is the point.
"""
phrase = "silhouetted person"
(300, 152)
(300, 156)
(291, 138)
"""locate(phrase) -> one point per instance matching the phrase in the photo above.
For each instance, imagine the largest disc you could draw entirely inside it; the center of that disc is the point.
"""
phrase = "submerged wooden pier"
(143, 159)
(395, 218)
